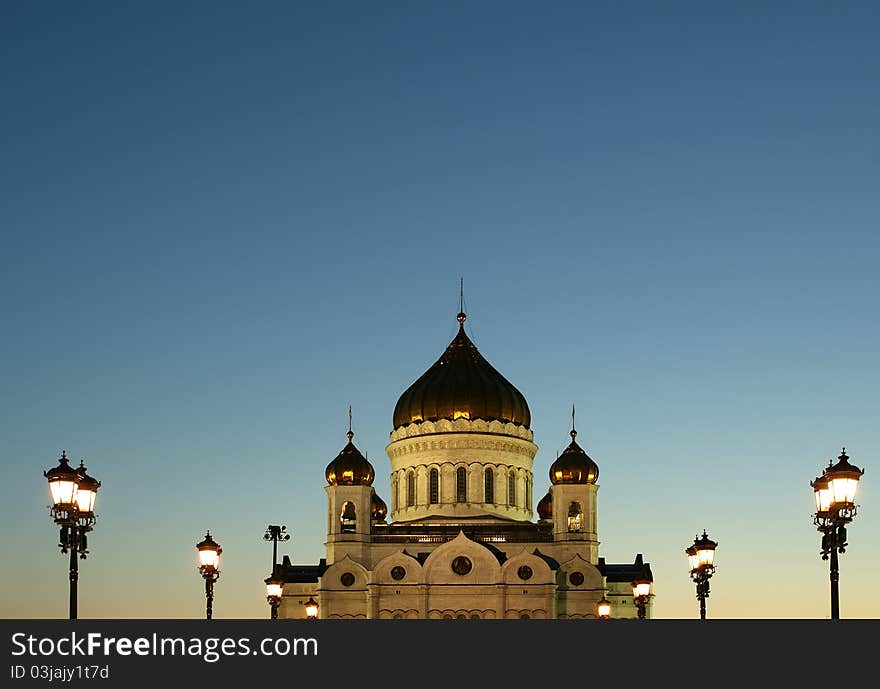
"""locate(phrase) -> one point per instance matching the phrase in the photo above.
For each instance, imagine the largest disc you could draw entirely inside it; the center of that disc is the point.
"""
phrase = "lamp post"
(701, 557)
(835, 493)
(642, 594)
(275, 533)
(311, 608)
(603, 609)
(274, 591)
(209, 567)
(73, 494)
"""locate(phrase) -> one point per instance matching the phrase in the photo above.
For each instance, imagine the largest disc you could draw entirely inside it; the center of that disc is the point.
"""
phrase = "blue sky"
(223, 224)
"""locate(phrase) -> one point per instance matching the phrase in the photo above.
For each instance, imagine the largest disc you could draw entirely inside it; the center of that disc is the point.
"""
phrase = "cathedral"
(461, 540)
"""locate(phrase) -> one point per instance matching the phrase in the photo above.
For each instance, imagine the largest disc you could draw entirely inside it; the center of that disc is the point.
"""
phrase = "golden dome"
(350, 467)
(378, 508)
(545, 508)
(461, 384)
(573, 465)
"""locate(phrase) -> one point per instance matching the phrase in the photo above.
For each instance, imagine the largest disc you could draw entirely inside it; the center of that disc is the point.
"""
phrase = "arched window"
(461, 485)
(528, 499)
(348, 518)
(511, 488)
(575, 517)
(410, 489)
(489, 486)
(434, 487)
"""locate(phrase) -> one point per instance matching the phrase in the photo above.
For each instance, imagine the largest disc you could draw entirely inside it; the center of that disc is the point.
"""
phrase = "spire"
(462, 316)
(573, 432)
(349, 435)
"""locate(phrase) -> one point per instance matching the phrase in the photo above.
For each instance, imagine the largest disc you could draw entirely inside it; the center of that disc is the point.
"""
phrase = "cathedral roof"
(378, 508)
(350, 467)
(619, 573)
(302, 574)
(545, 507)
(461, 384)
(573, 465)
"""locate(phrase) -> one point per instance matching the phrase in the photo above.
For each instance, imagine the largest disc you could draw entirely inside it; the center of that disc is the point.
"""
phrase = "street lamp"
(603, 609)
(73, 494)
(311, 608)
(701, 556)
(835, 493)
(209, 567)
(274, 591)
(275, 533)
(642, 593)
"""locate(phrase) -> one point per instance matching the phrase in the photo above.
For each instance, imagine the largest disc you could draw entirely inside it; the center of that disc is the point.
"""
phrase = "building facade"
(461, 539)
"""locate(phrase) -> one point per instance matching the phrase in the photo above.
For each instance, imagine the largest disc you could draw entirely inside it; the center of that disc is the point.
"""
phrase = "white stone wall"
(399, 586)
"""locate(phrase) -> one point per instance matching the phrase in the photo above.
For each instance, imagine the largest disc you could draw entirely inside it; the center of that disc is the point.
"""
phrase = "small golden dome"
(378, 508)
(461, 384)
(545, 508)
(573, 465)
(350, 467)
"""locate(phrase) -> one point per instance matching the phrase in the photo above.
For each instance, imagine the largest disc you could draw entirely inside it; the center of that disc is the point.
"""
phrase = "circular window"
(347, 579)
(461, 565)
(398, 573)
(576, 578)
(524, 572)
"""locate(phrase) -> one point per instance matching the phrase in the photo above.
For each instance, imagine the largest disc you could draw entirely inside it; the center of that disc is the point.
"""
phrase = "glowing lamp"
(823, 495)
(63, 483)
(641, 588)
(209, 553)
(843, 480)
(86, 492)
(704, 548)
(274, 587)
(311, 608)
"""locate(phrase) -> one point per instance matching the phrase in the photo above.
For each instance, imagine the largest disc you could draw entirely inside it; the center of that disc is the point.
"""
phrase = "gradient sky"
(223, 223)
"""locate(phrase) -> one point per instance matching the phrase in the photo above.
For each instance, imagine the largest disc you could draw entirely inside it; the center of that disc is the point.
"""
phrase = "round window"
(576, 578)
(524, 572)
(398, 573)
(461, 565)
(347, 579)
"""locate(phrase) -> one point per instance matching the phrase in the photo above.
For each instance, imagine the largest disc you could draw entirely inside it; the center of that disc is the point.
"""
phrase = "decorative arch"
(575, 517)
(385, 573)
(348, 517)
(483, 569)
(538, 572)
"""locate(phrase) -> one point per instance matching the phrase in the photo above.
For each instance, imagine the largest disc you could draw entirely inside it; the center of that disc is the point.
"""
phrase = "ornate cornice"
(462, 426)
(405, 447)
